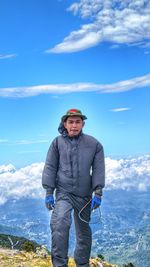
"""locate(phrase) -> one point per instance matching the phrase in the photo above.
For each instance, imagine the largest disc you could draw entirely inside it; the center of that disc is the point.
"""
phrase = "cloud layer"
(126, 174)
(133, 173)
(121, 86)
(5, 56)
(119, 109)
(114, 21)
(24, 182)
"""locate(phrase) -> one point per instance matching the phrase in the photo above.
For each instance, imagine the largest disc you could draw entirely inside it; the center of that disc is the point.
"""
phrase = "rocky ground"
(16, 258)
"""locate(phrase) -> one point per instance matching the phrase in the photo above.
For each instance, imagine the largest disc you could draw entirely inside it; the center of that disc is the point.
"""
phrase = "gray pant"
(60, 225)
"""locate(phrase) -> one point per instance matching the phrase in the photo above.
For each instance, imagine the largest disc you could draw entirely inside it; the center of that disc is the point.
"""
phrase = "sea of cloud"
(125, 173)
(129, 173)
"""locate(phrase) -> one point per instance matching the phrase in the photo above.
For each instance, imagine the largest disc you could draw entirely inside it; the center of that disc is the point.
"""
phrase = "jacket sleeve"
(50, 168)
(98, 170)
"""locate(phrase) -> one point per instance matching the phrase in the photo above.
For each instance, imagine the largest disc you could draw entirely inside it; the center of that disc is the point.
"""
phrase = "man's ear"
(83, 123)
(64, 124)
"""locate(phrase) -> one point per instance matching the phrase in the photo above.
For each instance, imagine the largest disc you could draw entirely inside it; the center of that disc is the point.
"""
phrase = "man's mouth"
(74, 131)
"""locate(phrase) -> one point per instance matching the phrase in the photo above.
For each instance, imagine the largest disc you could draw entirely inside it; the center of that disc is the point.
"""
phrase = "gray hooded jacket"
(74, 165)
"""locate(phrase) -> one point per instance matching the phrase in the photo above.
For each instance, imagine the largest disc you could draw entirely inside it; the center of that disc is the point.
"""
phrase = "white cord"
(79, 214)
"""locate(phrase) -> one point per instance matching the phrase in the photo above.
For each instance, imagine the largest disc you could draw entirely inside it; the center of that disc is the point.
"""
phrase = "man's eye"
(71, 122)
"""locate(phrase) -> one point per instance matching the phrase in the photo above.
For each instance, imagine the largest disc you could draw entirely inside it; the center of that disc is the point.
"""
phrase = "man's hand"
(96, 202)
(49, 202)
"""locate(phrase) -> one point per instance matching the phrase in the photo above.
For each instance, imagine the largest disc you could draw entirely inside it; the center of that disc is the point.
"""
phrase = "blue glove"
(49, 202)
(95, 203)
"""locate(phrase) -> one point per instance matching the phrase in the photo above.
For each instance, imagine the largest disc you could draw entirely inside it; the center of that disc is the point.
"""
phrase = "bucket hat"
(73, 112)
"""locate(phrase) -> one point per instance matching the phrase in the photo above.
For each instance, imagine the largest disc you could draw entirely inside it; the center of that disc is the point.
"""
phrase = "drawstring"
(79, 214)
(99, 220)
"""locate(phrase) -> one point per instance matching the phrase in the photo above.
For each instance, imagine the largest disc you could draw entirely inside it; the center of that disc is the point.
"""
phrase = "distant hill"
(18, 243)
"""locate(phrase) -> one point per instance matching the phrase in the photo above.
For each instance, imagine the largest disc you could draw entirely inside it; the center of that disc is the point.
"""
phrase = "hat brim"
(73, 115)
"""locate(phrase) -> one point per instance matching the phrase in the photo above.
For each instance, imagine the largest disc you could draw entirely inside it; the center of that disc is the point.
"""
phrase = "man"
(74, 168)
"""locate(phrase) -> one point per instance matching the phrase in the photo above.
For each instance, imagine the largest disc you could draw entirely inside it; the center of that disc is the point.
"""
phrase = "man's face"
(74, 125)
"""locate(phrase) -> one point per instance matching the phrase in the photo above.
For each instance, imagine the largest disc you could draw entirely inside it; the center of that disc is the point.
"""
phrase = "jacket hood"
(62, 130)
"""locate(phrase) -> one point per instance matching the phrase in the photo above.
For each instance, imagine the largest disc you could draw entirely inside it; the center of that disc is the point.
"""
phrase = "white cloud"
(147, 45)
(119, 109)
(3, 141)
(5, 56)
(115, 21)
(24, 182)
(77, 41)
(7, 168)
(126, 174)
(121, 86)
(133, 173)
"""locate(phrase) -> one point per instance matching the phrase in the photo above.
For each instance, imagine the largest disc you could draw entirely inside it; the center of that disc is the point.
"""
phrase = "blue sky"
(60, 54)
